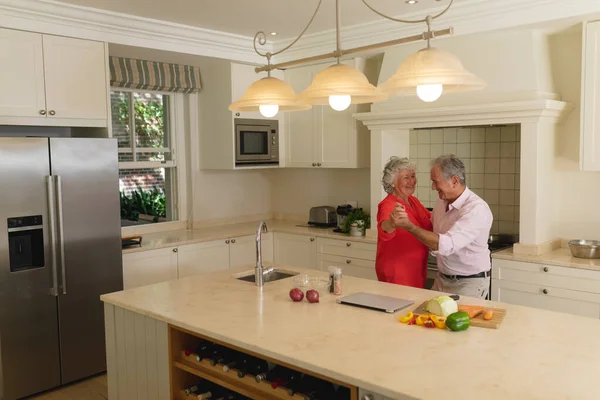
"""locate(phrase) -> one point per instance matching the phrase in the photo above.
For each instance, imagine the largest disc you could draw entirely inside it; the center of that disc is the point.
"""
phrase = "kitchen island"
(535, 354)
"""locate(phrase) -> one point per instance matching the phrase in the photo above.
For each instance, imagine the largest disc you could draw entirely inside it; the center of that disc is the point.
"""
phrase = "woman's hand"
(399, 217)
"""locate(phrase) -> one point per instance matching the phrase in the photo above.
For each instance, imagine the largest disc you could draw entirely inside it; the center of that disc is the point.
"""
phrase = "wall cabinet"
(154, 266)
(295, 250)
(321, 136)
(568, 290)
(149, 267)
(52, 80)
(590, 98)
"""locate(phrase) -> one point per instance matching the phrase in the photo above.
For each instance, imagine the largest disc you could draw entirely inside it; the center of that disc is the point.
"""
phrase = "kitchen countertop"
(561, 257)
(535, 354)
(151, 241)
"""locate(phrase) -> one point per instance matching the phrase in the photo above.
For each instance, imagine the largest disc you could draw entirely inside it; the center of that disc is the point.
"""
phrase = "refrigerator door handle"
(52, 226)
(61, 232)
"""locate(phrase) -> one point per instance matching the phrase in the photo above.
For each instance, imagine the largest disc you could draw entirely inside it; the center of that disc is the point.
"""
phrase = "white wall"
(295, 190)
(577, 202)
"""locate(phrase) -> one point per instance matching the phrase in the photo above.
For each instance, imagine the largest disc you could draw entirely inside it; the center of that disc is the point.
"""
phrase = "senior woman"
(401, 258)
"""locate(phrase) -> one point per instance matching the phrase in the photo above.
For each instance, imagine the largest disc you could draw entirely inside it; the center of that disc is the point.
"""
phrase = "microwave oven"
(256, 141)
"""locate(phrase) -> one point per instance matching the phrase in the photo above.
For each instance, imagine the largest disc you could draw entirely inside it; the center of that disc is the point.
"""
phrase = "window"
(143, 124)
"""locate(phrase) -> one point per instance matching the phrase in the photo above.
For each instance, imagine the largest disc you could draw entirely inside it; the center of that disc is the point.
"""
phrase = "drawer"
(547, 275)
(365, 251)
(350, 266)
(547, 298)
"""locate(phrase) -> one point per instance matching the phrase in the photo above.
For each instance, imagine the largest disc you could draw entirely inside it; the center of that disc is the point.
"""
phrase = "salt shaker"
(335, 280)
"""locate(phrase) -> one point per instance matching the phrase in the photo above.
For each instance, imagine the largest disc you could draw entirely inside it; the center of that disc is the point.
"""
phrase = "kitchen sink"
(270, 275)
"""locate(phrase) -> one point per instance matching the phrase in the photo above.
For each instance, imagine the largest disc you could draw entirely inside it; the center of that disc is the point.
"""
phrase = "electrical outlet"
(353, 203)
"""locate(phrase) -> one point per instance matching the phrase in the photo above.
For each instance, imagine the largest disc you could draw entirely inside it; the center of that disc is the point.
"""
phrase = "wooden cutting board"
(478, 321)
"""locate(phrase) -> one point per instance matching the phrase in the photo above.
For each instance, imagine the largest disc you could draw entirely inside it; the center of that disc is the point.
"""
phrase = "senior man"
(461, 228)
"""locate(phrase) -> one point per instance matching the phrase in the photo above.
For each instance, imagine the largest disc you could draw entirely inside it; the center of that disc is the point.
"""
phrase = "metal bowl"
(585, 248)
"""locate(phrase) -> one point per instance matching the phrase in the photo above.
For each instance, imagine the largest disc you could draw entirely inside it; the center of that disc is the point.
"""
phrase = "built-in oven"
(256, 141)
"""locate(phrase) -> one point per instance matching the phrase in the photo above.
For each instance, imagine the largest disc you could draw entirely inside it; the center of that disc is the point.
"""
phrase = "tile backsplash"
(491, 156)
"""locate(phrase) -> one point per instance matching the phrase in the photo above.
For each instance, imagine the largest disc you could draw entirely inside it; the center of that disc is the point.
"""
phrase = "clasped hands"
(399, 217)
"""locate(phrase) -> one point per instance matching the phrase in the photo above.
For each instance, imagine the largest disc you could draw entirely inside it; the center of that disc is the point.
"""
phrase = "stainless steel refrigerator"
(60, 250)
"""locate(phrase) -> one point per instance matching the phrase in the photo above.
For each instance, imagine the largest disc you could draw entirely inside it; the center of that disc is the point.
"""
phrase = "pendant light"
(431, 72)
(428, 73)
(340, 85)
(269, 96)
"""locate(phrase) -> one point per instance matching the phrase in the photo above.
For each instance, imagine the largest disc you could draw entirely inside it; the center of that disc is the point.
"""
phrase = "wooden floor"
(90, 389)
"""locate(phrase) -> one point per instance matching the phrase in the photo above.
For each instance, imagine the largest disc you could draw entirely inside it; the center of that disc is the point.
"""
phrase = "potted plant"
(356, 222)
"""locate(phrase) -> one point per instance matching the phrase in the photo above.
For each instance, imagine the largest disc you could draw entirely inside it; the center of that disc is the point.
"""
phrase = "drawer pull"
(348, 261)
(348, 244)
(545, 269)
(545, 291)
(175, 250)
(312, 239)
(227, 241)
(232, 240)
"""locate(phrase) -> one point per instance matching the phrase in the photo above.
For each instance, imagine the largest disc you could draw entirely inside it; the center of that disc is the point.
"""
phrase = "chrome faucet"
(258, 271)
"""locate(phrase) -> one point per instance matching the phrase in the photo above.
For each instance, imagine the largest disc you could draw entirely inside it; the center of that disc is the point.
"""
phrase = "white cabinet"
(323, 137)
(149, 267)
(75, 72)
(199, 258)
(562, 289)
(295, 250)
(590, 98)
(350, 266)
(22, 76)
(52, 80)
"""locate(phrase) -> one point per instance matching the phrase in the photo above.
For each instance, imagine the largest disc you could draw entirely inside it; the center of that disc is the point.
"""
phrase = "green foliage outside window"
(149, 202)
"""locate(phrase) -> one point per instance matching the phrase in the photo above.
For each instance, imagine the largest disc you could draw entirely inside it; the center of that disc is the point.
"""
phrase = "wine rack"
(189, 364)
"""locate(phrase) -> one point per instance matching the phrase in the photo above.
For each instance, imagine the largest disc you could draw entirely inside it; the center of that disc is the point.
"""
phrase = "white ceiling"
(246, 17)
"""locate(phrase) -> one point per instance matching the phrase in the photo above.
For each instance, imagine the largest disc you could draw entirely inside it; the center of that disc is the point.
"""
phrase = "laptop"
(375, 302)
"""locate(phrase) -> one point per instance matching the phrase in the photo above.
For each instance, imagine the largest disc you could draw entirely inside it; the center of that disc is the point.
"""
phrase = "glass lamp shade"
(272, 92)
(429, 67)
(341, 80)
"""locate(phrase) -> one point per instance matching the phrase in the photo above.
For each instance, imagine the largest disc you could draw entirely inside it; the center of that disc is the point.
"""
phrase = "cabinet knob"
(348, 261)
(348, 244)
(42, 112)
(545, 269)
(52, 112)
(314, 164)
(237, 114)
(175, 250)
(545, 291)
(312, 239)
(318, 164)
(227, 241)
(232, 240)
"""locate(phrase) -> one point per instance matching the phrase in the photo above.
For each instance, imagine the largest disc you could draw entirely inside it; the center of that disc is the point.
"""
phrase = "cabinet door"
(22, 77)
(295, 250)
(199, 258)
(75, 72)
(242, 250)
(336, 137)
(590, 98)
(547, 298)
(299, 125)
(350, 266)
(149, 267)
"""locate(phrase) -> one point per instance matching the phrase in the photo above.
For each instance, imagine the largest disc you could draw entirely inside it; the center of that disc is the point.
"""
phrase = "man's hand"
(399, 217)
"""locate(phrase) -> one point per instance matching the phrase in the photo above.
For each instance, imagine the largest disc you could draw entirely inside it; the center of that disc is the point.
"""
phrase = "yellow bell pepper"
(406, 319)
(440, 322)
(421, 319)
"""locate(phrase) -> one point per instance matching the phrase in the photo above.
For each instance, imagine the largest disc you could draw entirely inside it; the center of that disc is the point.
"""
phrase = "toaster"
(322, 216)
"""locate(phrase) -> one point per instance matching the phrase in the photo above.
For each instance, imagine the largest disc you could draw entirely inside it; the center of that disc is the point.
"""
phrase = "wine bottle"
(252, 366)
(191, 390)
(204, 396)
(204, 350)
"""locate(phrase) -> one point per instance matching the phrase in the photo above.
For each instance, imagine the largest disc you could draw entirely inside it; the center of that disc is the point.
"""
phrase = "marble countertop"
(151, 241)
(535, 354)
(561, 257)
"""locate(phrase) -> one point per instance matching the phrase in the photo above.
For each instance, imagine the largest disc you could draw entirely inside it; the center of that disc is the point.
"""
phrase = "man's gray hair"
(391, 170)
(450, 166)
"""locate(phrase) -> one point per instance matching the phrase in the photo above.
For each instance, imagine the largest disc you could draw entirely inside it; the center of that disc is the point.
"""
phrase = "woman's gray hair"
(450, 166)
(391, 170)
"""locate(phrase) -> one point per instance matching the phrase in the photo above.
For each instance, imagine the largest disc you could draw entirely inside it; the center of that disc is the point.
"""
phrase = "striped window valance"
(151, 75)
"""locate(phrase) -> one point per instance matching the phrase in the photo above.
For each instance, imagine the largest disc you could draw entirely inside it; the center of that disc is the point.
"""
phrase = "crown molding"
(56, 18)
(465, 115)
(465, 17)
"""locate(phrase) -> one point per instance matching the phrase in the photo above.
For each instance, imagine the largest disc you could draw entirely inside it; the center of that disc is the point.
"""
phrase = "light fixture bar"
(408, 39)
